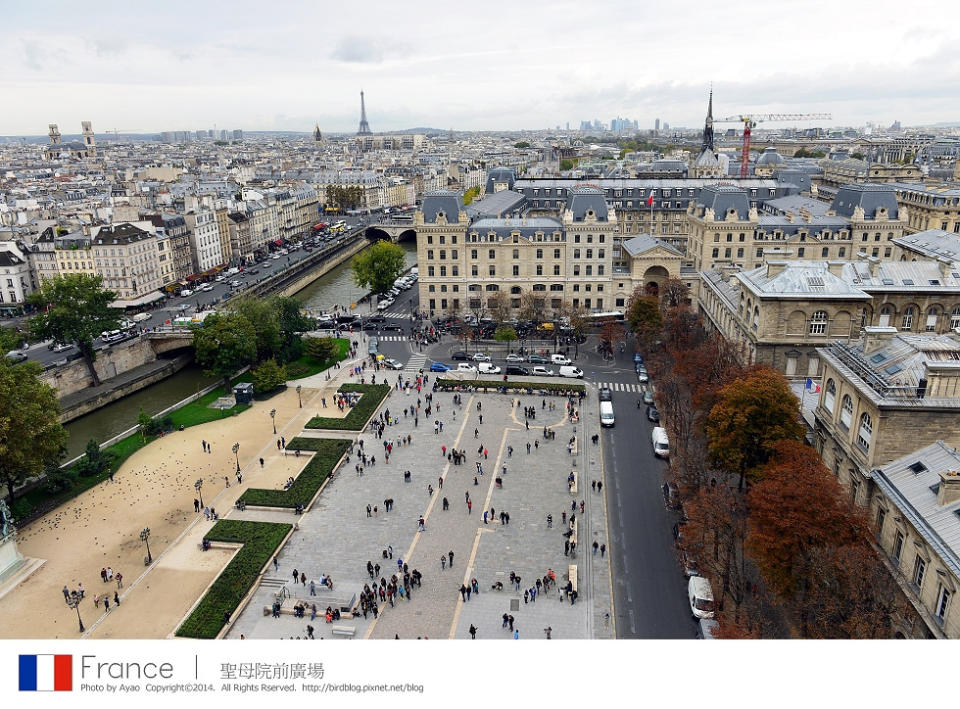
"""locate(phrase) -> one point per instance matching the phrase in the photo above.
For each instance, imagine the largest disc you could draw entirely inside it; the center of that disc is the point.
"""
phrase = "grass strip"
(372, 396)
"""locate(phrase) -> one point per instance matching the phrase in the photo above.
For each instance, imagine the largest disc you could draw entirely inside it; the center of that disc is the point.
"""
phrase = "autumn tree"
(751, 414)
(532, 306)
(644, 316)
(499, 306)
(673, 293)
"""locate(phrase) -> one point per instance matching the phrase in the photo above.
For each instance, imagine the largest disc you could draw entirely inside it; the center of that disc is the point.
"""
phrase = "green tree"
(143, 421)
(752, 413)
(224, 344)
(31, 436)
(293, 323)
(10, 339)
(378, 267)
(74, 309)
(320, 348)
(260, 313)
(567, 164)
(521, 144)
(858, 156)
(93, 462)
(505, 334)
(268, 376)
(644, 316)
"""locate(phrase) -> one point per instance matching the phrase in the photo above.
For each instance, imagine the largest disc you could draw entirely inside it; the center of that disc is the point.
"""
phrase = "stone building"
(126, 257)
(931, 206)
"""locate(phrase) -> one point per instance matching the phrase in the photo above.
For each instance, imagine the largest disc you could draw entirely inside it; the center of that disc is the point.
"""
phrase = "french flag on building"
(46, 673)
(812, 386)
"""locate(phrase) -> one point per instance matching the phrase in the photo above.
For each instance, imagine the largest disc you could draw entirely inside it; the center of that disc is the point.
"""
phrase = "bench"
(572, 576)
(347, 631)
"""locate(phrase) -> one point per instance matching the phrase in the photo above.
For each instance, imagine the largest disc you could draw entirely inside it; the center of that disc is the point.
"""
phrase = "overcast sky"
(140, 67)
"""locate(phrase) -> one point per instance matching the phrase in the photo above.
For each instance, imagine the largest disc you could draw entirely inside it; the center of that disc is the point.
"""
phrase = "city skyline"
(221, 64)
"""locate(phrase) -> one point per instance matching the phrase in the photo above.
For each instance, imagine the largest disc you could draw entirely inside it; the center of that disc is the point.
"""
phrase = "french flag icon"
(46, 673)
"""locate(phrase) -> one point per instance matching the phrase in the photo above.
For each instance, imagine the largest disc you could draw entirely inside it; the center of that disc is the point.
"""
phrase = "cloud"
(358, 50)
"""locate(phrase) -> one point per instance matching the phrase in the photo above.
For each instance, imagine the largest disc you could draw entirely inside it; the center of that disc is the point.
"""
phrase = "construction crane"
(750, 122)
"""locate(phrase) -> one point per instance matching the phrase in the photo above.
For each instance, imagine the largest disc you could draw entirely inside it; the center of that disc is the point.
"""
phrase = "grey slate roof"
(587, 199)
(526, 228)
(445, 201)
(642, 243)
(721, 198)
(913, 495)
(497, 204)
(932, 243)
(120, 234)
(871, 197)
(500, 174)
(794, 203)
(770, 156)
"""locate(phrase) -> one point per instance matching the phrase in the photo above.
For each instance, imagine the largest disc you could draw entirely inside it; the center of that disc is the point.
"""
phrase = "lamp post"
(236, 449)
(145, 538)
(74, 602)
(300, 398)
(273, 417)
(198, 486)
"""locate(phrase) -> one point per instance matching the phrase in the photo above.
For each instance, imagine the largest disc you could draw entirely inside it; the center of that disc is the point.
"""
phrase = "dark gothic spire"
(708, 126)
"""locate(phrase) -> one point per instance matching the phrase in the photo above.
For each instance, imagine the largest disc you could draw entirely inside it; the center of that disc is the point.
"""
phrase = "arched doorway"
(653, 278)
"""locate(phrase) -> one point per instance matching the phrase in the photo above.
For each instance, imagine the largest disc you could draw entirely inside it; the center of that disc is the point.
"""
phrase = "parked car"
(206, 287)
(466, 367)
(648, 397)
(186, 293)
(59, 346)
(606, 414)
(560, 360)
(537, 359)
(643, 377)
(439, 367)
(513, 369)
(605, 394)
(661, 444)
(653, 414)
(700, 596)
(638, 358)
(459, 356)
(480, 357)
(542, 372)
(384, 304)
(514, 358)
(235, 284)
(16, 356)
(392, 364)
(220, 278)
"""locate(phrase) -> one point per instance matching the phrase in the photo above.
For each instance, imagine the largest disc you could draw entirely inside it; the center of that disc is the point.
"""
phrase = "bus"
(340, 225)
(601, 319)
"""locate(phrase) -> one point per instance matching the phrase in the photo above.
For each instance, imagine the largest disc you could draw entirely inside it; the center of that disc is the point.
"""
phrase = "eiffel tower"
(364, 126)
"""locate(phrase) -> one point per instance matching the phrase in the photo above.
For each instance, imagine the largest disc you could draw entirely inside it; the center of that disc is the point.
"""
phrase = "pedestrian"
(469, 589)
(450, 554)
(276, 564)
(463, 592)
(470, 505)
(593, 484)
(66, 594)
(549, 631)
(119, 580)
(261, 462)
(278, 444)
(103, 574)
(440, 482)
(443, 562)
(296, 575)
(313, 588)
(239, 478)
(603, 550)
(204, 445)
(516, 634)
(596, 546)
(106, 603)
(528, 447)
(116, 598)
(599, 485)
(485, 517)
(473, 632)
(196, 508)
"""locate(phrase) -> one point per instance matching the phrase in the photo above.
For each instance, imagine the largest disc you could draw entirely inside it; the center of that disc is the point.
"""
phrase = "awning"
(137, 302)
(193, 277)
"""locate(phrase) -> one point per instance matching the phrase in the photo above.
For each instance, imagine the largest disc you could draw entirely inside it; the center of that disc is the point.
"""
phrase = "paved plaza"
(337, 538)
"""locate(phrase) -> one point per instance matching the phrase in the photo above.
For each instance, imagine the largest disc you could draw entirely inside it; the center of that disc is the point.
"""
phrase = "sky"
(492, 65)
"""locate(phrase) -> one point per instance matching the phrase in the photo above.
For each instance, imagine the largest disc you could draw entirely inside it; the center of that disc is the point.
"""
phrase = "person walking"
(196, 508)
(450, 555)
(516, 634)
(473, 632)
(276, 564)
(116, 598)
(443, 562)
(119, 580)
(470, 506)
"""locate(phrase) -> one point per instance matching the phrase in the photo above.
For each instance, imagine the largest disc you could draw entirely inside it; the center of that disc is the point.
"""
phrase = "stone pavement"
(337, 538)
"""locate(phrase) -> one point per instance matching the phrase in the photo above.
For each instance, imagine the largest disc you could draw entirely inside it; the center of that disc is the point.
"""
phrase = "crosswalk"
(617, 386)
(405, 315)
(392, 338)
(416, 363)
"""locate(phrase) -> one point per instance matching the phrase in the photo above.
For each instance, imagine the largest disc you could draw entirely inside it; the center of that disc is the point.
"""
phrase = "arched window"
(473, 287)
(539, 287)
(955, 318)
(493, 287)
(907, 322)
(818, 323)
(515, 290)
(886, 312)
(865, 432)
(846, 412)
(756, 319)
(830, 395)
(933, 315)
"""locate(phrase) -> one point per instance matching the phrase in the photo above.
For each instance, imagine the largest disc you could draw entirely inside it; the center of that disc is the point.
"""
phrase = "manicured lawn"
(308, 366)
(260, 541)
(305, 486)
(372, 396)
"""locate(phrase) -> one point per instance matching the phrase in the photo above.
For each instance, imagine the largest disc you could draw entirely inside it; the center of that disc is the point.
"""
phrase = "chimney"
(949, 490)
(775, 268)
(946, 266)
(789, 216)
(872, 261)
(835, 268)
(875, 337)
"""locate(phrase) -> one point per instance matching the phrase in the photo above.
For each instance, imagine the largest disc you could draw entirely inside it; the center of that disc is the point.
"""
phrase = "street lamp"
(236, 448)
(198, 486)
(300, 398)
(273, 417)
(145, 538)
(74, 602)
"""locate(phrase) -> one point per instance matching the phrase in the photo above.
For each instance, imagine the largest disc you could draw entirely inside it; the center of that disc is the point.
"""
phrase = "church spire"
(708, 125)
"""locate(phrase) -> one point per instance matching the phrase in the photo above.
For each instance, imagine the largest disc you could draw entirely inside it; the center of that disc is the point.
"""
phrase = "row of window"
(492, 254)
(865, 428)
(432, 271)
(919, 574)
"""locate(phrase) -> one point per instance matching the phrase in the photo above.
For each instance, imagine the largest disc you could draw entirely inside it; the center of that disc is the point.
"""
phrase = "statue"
(6, 520)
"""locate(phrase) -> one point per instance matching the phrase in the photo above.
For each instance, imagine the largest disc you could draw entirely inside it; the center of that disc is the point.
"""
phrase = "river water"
(333, 288)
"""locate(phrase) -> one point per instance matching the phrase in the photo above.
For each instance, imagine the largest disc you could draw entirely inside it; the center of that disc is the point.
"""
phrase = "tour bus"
(340, 224)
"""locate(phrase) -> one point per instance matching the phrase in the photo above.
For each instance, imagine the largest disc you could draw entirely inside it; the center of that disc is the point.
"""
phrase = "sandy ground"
(155, 489)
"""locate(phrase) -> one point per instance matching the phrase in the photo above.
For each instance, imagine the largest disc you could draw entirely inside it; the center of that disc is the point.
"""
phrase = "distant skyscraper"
(364, 126)
(656, 125)
(238, 134)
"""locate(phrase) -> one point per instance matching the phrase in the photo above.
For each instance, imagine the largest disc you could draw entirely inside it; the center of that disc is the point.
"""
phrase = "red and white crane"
(750, 122)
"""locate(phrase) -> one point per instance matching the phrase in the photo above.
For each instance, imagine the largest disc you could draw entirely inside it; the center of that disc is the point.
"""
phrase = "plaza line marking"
(426, 515)
(466, 580)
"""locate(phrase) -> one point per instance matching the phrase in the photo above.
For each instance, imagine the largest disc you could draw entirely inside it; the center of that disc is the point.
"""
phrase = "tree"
(224, 344)
(379, 266)
(499, 305)
(10, 339)
(532, 306)
(505, 334)
(320, 348)
(521, 144)
(673, 293)
(31, 436)
(268, 376)
(566, 164)
(858, 156)
(93, 462)
(75, 309)
(470, 195)
(644, 316)
(262, 314)
(143, 421)
(752, 414)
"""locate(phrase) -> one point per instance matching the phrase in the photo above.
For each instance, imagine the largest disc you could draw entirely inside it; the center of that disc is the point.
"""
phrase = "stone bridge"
(393, 229)
(169, 338)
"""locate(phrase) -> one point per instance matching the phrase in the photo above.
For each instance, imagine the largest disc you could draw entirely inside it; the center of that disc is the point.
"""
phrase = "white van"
(571, 371)
(561, 360)
(661, 444)
(606, 413)
(701, 597)
(488, 368)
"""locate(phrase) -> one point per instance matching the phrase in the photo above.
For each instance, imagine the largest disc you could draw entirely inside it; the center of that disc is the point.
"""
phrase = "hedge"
(260, 542)
(306, 484)
(303, 443)
(372, 396)
(523, 387)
